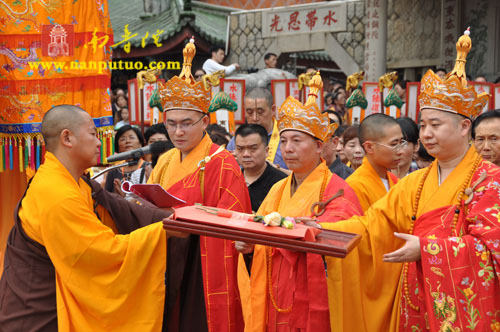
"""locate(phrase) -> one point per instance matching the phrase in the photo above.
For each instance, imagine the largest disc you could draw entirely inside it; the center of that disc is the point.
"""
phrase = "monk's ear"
(319, 146)
(205, 121)
(368, 147)
(465, 127)
(66, 138)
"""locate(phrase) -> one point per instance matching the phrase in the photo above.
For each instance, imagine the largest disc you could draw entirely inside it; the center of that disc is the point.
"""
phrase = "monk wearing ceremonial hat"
(438, 227)
(287, 291)
(202, 293)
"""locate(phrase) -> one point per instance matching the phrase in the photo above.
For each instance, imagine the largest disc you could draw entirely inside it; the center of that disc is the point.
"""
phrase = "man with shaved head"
(65, 268)
(382, 139)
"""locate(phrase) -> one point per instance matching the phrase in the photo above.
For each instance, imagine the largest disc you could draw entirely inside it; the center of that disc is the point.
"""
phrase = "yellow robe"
(392, 213)
(104, 282)
(367, 184)
(259, 316)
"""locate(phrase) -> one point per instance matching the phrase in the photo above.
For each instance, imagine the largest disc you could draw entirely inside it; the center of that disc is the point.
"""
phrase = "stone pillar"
(376, 39)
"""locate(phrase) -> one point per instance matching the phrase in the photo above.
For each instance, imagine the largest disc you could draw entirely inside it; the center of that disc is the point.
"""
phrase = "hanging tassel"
(11, 154)
(38, 143)
(2, 157)
(26, 152)
(15, 153)
(32, 153)
(21, 154)
(112, 144)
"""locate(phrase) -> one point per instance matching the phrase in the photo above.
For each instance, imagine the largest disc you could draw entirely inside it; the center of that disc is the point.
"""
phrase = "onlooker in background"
(340, 146)
(339, 100)
(334, 117)
(486, 135)
(311, 68)
(259, 110)
(441, 72)
(271, 60)
(155, 133)
(353, 150)
(198, 74)
(328, 100)
(424, 159)
(122, 116)
(214, 64)
(480, 78)
(218, 134)
(127, 138)
(400, 87)
(329, 153)
(410, 134)
(251, 151)
(335, 84)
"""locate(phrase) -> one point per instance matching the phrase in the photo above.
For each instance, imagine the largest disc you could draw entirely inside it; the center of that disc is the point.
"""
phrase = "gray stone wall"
(413, 33)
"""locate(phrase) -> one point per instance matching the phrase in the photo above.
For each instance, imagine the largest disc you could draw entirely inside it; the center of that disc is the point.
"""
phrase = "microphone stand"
(128, 163)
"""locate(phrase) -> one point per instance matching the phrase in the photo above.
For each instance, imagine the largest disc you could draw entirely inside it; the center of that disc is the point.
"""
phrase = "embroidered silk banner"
(51, 53)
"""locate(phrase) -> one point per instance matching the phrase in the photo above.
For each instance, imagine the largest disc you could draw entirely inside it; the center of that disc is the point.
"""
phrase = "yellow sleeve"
(102, 277)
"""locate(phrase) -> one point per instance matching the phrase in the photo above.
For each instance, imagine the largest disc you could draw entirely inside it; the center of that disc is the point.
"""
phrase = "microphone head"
(158, 147)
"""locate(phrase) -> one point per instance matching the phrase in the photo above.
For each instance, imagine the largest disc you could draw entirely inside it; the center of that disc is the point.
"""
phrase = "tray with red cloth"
(236, 226)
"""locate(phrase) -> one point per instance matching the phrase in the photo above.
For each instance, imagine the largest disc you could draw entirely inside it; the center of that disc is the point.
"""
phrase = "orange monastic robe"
(298, 279)
(222, 185)
(104, 282)
(452, 269)
(367, 184)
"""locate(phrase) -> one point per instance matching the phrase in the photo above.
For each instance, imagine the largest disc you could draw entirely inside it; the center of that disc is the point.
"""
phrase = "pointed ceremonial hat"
(453, 94)
(307, 118)
(183, 92)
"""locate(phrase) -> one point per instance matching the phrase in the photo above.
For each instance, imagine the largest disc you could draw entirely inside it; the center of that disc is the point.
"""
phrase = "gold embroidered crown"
(307, 118)
(183, 92)
(453, 94)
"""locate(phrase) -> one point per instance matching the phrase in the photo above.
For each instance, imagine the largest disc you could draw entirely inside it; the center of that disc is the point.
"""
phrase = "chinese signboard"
(449, 32)
(236, 91)
(281, 89)
(375, 39)
(412, 106)
(304, 19)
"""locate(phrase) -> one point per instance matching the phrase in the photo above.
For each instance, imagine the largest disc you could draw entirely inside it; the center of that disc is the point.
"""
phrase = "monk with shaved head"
(66, 268)
(382, 139)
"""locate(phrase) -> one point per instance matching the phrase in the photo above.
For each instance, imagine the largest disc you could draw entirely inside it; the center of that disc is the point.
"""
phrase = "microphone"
(155, 148)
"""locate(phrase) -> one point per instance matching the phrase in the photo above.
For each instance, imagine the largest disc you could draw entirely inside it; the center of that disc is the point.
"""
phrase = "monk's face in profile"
(185, 128)
(442, 132)
(87, 146)
(301, 152)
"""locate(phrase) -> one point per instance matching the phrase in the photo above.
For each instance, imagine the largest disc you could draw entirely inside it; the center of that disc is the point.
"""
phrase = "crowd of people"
(423, 196)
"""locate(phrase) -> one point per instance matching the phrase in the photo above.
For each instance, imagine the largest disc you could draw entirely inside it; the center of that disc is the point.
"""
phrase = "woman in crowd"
(123, 118)
(340, 146)
(410, 134)
(127, 138)
(353, 150)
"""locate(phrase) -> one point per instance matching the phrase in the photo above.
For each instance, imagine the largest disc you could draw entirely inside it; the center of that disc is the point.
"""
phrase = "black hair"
(122, 131)
(337, 115)
(340, 130)
(409, 129)
(248, 129)
(311, 67)
(158, 128)
(216, 48)
(402, 84)
(493, 114)
(328, 95)
(268, 55)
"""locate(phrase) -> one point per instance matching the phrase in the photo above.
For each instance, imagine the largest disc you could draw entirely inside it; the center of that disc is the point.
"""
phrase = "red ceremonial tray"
(192, 220)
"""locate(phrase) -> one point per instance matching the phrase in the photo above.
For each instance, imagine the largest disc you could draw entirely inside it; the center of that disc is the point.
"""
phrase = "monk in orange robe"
(445, 222)
(382, 139)
(199, 171)
(287, 291)
(60, 255)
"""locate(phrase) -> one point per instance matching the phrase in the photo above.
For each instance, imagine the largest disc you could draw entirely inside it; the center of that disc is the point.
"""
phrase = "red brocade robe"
(456, 283)
(223, 187)
(299, 283)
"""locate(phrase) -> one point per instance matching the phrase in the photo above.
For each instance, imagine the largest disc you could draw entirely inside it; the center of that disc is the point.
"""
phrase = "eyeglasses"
(172, 126)
(396, 147)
